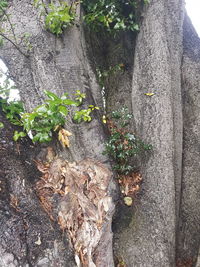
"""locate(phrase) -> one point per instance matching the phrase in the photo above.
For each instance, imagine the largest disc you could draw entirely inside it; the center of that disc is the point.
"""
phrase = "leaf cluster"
(112, 15)
(58, 15)
(47, 118)
(84, 114)
(122, 145)
(12, 110)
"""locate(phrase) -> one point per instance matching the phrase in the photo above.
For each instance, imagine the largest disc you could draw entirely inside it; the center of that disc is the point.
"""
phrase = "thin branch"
(45, 8)
(15, 45)
(8, 19)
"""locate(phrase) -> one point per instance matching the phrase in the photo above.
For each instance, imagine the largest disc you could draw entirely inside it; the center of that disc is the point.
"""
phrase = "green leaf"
(18, 135)
(63, 110)
(41, 109)
(51, 95)
(42, 137)
(69, 102)
(1, 125)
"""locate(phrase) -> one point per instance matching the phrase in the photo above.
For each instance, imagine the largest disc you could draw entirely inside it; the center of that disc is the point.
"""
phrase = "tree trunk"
(162, 227)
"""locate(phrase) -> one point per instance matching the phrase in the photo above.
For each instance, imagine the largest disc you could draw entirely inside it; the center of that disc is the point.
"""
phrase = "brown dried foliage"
(130, 184)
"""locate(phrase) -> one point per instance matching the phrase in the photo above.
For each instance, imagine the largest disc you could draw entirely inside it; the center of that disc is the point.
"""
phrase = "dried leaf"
(63, 137)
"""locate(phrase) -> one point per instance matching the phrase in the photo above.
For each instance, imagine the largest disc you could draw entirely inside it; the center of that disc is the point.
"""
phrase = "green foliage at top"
(112, 15)
(47, 118)
(123, 146)
(59, 15)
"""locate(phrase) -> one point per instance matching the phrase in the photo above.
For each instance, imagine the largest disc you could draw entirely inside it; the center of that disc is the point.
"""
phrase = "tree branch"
(15, 45)
(11, 26)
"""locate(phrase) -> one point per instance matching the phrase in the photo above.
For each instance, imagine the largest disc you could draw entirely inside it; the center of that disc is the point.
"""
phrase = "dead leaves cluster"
(130, 186)
(84, 205)
(63, 137)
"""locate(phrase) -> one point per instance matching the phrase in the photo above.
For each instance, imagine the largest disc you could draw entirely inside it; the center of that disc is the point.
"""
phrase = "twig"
(15, 45)
(11, 26)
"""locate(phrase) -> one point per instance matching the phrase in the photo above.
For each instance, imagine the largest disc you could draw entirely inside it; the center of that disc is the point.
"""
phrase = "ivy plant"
(112, 15)
(123, 146)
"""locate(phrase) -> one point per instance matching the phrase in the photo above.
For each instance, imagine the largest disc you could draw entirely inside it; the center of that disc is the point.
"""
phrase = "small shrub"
(123, 145)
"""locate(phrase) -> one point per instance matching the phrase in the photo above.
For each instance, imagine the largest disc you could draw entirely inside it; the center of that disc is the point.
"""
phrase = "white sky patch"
(14, 93)
(193, 10)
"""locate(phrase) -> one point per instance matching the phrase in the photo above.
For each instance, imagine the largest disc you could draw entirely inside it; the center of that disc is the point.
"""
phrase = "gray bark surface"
(150, 238)
(189, 230)
(162, 227)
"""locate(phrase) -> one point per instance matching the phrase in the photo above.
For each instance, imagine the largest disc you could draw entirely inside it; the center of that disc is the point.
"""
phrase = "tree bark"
(162, 227)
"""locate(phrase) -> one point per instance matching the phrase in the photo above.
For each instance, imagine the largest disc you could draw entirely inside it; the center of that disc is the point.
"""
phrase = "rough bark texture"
(189, 237)
(150, 238)
(162, 228)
